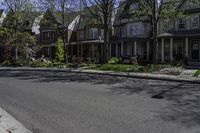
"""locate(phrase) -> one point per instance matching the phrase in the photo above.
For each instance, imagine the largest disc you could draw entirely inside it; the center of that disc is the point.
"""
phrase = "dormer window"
(195, 22)
(181, 24)
(134, 6)
(93, 33)
(81, 34)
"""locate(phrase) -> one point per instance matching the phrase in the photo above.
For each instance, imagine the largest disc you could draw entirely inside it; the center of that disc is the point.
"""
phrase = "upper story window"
(81, 34)
(123, 31)
(195, 21)
(93, 33)
(134, 6)
(132, 29)
(166, 25)
(45, 35)
(181, 23)
(49, 35)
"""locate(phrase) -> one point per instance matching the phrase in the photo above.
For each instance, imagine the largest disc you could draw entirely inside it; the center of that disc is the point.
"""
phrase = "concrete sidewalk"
(179, 78)
(9, 125)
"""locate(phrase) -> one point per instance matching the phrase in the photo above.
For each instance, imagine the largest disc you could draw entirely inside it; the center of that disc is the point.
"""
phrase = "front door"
(195, 50)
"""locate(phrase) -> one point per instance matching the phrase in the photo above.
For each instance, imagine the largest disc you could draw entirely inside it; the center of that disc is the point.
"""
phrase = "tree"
(59, 50)
(102, 11)
(17, 13)
(158, 10)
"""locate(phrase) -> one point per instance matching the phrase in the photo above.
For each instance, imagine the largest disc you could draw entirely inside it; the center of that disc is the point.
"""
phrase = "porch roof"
(181, 33)
(87, 42)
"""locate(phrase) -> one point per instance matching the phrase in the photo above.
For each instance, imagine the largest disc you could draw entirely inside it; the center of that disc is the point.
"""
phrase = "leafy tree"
(17, 13)
(59, 50)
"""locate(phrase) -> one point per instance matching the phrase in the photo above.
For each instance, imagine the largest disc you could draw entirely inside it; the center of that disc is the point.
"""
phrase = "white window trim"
(192, 22)
(184, 22)
(92, 34)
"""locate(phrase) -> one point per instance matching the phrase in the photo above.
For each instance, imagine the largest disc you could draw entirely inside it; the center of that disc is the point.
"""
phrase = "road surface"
(50, 102)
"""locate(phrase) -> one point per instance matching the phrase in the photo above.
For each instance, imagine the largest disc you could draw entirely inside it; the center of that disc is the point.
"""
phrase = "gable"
(190, 5)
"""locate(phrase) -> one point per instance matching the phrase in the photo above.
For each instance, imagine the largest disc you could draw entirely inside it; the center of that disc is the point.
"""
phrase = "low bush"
(119, 68)
(14, 63)
(197, 73)
(40, 64)
(114, 60)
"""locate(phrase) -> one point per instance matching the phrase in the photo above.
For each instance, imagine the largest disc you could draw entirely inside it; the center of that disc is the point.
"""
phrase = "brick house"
(50, 31)
(180, 38)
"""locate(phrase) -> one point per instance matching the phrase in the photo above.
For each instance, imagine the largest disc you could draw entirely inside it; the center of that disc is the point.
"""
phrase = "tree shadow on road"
(184, 99)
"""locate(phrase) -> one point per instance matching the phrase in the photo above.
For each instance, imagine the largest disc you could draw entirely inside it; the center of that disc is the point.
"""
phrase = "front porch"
(140, 49)
(85, 52)
(179, 48)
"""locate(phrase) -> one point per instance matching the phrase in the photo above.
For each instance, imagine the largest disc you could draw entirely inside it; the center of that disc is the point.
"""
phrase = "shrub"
(197, 73)
(119, 68)
(113, 60)
(13, 62)
(40, 64)
(59, 50)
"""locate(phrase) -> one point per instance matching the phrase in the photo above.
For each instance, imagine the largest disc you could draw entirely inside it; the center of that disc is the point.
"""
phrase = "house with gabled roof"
(2, 16)
(50, 30)
(132, 35)
(180, 38)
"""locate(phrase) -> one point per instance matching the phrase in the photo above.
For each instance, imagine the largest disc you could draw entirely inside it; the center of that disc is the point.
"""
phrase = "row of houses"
(178, 39)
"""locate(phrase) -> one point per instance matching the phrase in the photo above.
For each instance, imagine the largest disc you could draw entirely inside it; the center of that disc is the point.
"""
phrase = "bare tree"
(102, 11)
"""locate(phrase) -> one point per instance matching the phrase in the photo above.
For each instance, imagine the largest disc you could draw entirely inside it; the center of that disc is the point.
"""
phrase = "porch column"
(116, 49)
(122, 48)
(110, 52)
(186, 47)
(171, 49)
(162, 50)
(72, 51)
(77, 50)
(135, 48)
(81, 50)
(148, 51)
(92, 50)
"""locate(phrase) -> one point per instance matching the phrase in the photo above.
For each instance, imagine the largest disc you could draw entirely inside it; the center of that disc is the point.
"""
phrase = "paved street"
(50, 102)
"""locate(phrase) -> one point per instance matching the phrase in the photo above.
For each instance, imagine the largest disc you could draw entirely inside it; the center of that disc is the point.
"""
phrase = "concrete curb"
(110, 73)
(9, 125)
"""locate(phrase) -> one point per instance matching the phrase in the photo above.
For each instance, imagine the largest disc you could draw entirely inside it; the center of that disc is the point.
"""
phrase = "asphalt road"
(77, 103)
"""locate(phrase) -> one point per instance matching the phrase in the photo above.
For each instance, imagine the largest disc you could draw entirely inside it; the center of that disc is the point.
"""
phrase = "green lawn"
(128, 68)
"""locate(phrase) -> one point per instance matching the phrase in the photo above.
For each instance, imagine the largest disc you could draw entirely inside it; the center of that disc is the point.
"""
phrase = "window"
(195, 22)
(93, 33)
(81, 34)
(134, 29)
(134, 6)
(123, 31)
(166, 25)
(48, 35)
(181, 24)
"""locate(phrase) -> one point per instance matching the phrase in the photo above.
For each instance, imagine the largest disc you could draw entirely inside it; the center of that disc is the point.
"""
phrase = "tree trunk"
(16, 50)
(105, 48)
(155, 33)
